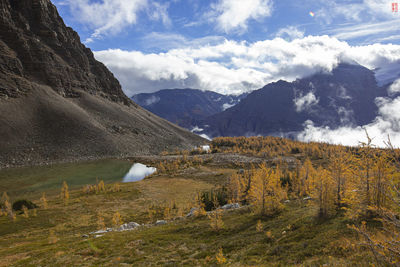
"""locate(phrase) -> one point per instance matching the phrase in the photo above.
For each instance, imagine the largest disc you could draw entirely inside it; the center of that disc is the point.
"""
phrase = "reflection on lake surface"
(137, 172)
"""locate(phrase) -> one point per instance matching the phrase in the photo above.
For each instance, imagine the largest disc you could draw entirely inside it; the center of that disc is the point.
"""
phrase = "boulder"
(128, 226)
(99, 232)
(231, 206)
(161, 222)
(191, 212)
(132, 225)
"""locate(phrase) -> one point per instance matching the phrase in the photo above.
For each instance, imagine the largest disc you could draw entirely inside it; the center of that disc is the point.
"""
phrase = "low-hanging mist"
(386, 125)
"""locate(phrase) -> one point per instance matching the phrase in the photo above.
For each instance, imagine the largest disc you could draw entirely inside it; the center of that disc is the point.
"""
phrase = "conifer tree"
(220, 257)
(100, 222)
(52, 237)
(4, 198)
(25, 211)
(101, 187)
(235, 188)
(9, 211)
(44, 201)
(65, 193)
(215, 217)
(324, 192)
(266, 191)
(259, 226)
(150, 213)
(117, 219)
(340, 168)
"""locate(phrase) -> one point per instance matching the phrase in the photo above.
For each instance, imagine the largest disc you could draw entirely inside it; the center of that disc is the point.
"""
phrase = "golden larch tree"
(65, 193)
(266, 191)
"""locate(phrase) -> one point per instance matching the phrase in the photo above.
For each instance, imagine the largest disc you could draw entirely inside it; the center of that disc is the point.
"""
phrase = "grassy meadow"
(294, 235)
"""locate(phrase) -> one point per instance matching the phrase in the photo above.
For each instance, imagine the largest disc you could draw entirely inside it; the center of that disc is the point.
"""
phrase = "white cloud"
(290, 32)
(232, 67)
(366, 10)
(234, 14)
(159, 12)
(395, 87)
(197, 129)
(366, 29)
(206, 137)
(227, 105)
(387, 123)
(151, 100)
(110, 17)
(305, 102)
(172, 40)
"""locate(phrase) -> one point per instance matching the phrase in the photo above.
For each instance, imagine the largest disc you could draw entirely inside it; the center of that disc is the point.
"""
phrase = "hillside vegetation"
(301, 204)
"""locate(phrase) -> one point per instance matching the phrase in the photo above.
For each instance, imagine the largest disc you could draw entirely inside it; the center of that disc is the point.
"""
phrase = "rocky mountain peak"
(36, 45)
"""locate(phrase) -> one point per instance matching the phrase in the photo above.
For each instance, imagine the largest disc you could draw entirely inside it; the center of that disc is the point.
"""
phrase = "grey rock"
(85, 236)
(231, 206)
(99, 232)
(133, 225)
(161, 222)
(191, 212)
(128, 226)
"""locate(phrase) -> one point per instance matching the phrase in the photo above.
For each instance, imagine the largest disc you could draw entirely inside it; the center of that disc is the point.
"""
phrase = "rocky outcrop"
(57, 103)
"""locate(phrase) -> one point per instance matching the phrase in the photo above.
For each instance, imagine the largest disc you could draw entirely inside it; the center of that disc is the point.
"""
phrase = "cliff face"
(35, 44)
(57, 103)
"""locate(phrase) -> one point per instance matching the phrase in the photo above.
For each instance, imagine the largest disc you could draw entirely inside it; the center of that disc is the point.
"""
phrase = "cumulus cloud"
(235, 14)
(112, 16)
(395, 87)
(387, 123)
(232, 67)
(305, 102)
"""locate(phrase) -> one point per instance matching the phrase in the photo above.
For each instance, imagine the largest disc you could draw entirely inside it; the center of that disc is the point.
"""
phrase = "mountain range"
(57, 103)
(344, 96)
(186, 107)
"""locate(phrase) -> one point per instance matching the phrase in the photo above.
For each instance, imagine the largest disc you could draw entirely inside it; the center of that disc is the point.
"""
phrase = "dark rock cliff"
(36, 44)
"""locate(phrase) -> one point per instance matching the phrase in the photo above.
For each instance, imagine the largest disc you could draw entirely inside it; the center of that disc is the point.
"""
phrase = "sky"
(236, 46)
(231, 46)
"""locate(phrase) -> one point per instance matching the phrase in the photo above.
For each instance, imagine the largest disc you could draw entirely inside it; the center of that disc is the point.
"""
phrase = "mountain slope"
(344, 97)
(57, 103)
(186, 107)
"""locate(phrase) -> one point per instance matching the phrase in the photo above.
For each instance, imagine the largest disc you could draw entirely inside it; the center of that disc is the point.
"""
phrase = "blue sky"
(232, 46)
(196, 19)
(236, 46)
